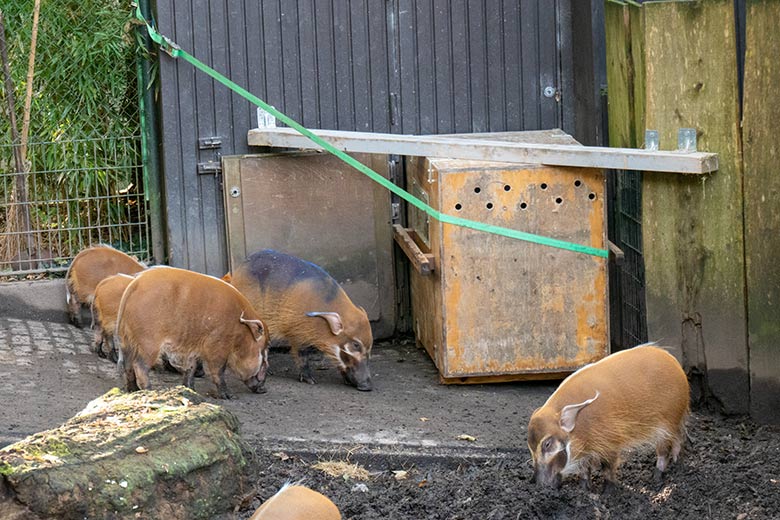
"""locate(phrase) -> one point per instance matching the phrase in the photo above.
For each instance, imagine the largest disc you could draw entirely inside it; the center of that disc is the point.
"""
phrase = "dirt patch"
(731, 469)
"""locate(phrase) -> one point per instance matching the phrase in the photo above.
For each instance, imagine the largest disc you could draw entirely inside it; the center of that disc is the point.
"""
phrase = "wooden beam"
(693, 228)
(422, 262)
(762, 209)
(490, 150)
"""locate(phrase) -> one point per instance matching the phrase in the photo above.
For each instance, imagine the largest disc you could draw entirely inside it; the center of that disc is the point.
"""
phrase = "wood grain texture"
(761, 150)
(693, 240)
(497, 309)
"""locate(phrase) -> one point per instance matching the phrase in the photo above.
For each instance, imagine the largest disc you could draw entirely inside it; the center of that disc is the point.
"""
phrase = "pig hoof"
(610, 488)
(658, 477)
(307, 378)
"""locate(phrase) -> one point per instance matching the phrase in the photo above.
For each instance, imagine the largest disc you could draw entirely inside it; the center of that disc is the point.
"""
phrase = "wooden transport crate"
(490, 308)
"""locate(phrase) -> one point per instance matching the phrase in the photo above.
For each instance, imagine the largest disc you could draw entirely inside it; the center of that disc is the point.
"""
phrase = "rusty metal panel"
(314, 206)
(497, 307)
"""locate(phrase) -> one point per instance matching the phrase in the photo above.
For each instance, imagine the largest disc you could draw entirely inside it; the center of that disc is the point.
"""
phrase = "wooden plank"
(762, 207)
(620, 77)
(422, 262)
(461, 90)
(529, 51)
(510, 378)
(478, 65)
(326, 65)
(693, 242)
(547, 35)
(486, 150)
(379, 66)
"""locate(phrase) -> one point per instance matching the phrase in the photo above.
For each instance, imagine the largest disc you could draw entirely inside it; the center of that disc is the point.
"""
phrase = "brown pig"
(306, 308)
(297, 503)
(191, 317)
(631, 399)
(105, 307)
(87, 270)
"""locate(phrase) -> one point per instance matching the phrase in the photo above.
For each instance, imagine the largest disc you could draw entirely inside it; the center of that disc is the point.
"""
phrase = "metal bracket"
(686, 140)
(170, 47)
(395, 212)
(208, 143)
(431, 178)
(651, 140)
(209, 168)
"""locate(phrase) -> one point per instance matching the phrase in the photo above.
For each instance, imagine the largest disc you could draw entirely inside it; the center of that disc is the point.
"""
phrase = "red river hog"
(631, 399)
(306, 308)
(88, 269)
(105, 307)
(190, 317)
(297, 503)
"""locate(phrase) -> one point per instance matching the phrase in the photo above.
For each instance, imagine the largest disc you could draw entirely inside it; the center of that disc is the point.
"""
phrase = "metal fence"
(78, 192)
(82, 179)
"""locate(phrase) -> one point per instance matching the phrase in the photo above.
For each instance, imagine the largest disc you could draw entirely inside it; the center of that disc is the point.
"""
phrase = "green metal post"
(150, 143)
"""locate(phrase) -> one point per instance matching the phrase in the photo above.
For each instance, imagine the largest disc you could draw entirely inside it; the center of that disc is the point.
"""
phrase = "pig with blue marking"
(305, 307)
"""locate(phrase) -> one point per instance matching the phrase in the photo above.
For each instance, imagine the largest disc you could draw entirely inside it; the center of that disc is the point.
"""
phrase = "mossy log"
(141, 455)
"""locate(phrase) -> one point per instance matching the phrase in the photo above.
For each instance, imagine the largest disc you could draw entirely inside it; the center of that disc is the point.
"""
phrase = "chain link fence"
(82, 175)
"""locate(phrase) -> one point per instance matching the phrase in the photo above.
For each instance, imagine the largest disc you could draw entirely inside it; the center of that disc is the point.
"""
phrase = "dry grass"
(343, 469)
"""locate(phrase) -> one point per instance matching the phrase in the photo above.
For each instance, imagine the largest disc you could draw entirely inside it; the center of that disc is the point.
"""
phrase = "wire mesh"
(82, 182)
(628, 289)
(86, 192)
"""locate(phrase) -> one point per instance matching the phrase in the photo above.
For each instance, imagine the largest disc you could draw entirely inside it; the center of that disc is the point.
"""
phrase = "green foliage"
(85, 182)
(85, 84)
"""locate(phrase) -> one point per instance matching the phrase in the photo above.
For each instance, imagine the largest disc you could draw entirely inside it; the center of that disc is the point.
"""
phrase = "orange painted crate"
(495, 308)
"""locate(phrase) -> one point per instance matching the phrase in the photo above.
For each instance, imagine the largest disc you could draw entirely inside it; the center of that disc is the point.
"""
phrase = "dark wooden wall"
(402, 66)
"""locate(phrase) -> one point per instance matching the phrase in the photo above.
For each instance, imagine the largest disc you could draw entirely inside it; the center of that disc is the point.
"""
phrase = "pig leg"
(142, 375)
(130, 381)
(585, 481)
(218, 378)
(98, 341)
(189, 375)
(113, 351)
(304, 361)
(663, 451)
(74, 310)
(609, 467)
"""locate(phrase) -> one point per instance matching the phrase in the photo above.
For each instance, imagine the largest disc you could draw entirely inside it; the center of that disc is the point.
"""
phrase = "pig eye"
(547, 444)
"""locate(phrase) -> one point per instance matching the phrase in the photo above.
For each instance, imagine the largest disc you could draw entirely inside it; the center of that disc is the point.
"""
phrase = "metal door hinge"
(209, 143)
(209, 168)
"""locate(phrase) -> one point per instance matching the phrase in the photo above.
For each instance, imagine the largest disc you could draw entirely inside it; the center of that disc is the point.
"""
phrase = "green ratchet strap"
(176, 52)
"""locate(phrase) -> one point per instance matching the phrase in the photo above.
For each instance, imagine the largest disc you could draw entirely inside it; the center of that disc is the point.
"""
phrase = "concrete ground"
(48, 374)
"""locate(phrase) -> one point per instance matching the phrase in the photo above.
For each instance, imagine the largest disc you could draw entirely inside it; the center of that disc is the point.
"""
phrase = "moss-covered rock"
(142, 455)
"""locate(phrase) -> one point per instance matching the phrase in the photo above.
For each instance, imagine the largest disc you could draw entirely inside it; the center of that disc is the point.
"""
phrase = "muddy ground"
(730, 469)
(410, 423)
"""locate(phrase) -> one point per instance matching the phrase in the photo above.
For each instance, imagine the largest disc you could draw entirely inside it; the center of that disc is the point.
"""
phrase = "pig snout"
(257, 383)
(546, 477)
(359, 376)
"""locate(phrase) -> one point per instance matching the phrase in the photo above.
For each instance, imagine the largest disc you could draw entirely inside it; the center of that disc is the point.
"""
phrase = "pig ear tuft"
(569, 413)
(333, 319)
(256, 326)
